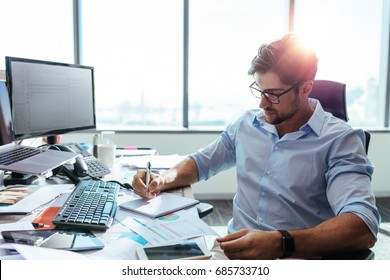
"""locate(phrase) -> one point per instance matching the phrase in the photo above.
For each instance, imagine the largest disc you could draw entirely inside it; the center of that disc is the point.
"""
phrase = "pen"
(147, 174)
(38, 225)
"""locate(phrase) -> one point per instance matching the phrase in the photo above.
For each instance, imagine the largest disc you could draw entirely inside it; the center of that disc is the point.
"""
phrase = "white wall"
(223, 186)
(379, 154)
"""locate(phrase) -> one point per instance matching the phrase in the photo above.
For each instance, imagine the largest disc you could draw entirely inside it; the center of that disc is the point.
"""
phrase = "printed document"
(44, 194)
(170, 228)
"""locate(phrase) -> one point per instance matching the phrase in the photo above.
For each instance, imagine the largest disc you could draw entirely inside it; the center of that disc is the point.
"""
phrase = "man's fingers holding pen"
(157, 181)
(140, 187)
(138, 184)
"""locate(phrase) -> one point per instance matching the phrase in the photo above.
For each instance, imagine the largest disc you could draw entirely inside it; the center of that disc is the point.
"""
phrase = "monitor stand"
(19, 179)
(51, 140)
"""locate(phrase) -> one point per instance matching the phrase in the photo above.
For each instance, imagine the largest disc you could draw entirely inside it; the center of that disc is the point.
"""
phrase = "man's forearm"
(183, 174)
(343, 233)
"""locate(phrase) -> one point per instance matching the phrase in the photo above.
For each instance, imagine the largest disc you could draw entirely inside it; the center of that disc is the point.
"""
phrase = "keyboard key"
(19, 153)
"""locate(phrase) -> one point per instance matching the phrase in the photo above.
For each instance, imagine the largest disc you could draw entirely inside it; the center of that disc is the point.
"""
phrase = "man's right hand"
(151, 191)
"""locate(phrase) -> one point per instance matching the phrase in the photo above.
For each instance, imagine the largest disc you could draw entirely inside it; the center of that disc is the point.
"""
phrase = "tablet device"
(185, 250)
(55, 239)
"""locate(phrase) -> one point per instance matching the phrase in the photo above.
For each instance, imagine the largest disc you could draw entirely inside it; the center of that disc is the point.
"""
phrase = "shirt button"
(263, 193)
(260, 219)
(268, 172)
(276, 148)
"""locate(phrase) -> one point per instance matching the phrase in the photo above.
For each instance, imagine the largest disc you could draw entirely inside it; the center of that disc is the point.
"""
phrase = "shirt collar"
(317, 119)
(315, 122)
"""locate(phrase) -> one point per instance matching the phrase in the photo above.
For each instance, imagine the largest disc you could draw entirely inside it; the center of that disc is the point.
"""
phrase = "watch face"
(288, 245)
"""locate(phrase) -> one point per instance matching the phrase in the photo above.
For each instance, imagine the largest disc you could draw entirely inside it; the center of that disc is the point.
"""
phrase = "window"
(136, 48)
(40, 29)
(223, 39)
(347, 36)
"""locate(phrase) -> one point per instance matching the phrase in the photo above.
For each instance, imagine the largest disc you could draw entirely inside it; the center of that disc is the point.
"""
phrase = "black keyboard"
(91, 205)
(18, 154)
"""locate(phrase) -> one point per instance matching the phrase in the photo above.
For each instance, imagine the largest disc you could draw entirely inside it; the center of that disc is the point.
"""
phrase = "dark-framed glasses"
(270, 96)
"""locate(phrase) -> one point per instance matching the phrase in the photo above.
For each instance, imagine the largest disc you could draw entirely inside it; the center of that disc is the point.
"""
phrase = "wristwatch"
(288, 244)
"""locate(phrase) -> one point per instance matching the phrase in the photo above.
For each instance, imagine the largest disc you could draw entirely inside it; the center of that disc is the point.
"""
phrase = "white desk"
(116, 247)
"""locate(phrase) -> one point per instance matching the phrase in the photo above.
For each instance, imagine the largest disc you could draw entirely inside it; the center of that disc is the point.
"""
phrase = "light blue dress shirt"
(297, 181)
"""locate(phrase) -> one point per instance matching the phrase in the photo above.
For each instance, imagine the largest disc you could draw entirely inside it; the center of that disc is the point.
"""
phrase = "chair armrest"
(204, 209)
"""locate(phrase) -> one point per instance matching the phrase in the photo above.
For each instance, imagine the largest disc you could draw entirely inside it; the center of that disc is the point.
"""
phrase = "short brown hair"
(288, 58)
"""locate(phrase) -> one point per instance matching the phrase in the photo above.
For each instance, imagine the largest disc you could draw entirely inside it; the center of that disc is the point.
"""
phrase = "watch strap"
(288, 244)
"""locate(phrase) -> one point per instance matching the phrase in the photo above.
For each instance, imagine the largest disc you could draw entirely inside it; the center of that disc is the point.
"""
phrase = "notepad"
(161, 205)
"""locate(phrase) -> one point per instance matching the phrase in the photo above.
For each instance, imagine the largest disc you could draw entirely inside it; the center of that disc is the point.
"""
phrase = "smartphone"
(186, 251)
(55, 239)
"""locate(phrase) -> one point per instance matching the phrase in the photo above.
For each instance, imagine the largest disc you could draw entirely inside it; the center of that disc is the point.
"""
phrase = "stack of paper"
(156, 162)
(135, 152)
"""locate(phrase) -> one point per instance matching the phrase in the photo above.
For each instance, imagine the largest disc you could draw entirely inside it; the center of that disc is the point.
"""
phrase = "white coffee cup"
(106, 153)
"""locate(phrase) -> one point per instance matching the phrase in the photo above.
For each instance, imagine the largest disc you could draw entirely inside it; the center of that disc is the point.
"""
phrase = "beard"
(276, 117)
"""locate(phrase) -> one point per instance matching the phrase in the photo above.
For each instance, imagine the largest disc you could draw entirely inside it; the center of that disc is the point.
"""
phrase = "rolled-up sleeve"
(216, 157)
(349, 180)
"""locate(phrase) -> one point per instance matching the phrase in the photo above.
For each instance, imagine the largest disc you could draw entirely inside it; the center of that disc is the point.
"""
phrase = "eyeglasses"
(271, 97)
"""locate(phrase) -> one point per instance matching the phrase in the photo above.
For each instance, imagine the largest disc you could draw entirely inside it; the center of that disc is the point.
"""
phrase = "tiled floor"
(222, 213)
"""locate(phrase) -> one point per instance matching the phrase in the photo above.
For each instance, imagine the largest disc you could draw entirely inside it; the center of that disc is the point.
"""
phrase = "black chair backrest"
(332, 97)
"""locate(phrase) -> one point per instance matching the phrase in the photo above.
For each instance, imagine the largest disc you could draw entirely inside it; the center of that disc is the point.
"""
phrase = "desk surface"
(118, 229)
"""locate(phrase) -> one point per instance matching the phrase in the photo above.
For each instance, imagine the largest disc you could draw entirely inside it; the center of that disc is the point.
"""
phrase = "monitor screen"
(50, 98)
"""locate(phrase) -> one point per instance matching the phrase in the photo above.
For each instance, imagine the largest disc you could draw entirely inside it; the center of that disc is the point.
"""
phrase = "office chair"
(333, 99)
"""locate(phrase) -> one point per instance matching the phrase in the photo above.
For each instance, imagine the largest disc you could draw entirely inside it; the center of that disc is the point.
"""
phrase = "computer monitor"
(50, 98)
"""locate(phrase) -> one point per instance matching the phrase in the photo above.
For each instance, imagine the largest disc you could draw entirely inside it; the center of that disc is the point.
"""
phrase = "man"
(303, 175)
